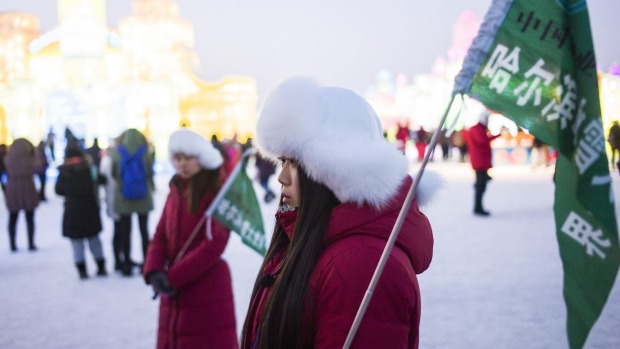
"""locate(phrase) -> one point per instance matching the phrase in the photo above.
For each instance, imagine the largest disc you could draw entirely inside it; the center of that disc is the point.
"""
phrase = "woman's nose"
(282, 177)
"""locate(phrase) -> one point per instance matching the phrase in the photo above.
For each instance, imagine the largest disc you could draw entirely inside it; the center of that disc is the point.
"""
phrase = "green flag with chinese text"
(236, 207)
(533, 62)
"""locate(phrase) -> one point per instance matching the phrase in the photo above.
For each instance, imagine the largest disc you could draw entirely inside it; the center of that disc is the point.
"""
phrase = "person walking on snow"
(420, 143)
(265, 169)
(614, 143)
(41, 169)
(343, 187)
(21, 193)
(402, 136)
(131, 142)
(105, 169)
(480, 155)
(77, 182)
(183, 264)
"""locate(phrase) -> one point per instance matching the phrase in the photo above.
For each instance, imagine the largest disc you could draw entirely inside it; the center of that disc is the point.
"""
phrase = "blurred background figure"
(402, 136)
(541, 156)
(95, 153)
(480, 155)
(105, 170)
(614, 142)
(21, 193)
(70, 139)
(265, 169)
(446, 146)
(458, 139)
(41, 169)
(77, 182)
(51, 142)
(233, 153)
(132, 168)
(3, 150)
(420, 142)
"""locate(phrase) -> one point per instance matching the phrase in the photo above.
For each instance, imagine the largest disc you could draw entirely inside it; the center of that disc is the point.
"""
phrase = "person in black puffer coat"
(81, 221)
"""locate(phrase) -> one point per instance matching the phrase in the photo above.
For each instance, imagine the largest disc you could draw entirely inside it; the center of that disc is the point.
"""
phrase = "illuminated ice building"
(421, 100)
(99, 81)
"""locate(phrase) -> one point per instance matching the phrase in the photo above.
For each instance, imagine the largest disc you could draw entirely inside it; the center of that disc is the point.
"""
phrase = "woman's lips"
(285, 199)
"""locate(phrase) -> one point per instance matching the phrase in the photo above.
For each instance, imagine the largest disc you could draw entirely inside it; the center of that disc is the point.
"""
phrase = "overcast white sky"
(340, 42)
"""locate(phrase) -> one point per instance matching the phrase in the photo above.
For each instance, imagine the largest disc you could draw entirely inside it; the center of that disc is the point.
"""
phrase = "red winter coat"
(479, 147)
(202, 314)
(356, 237)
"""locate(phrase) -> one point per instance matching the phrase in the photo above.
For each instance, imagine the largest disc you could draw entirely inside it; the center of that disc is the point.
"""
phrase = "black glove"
(160, 283)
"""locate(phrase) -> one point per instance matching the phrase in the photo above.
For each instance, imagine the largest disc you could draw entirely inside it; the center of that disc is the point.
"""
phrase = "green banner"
(239, 209)
(540, 72)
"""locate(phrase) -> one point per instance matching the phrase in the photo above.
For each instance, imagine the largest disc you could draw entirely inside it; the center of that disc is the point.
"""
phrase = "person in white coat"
(105, 169)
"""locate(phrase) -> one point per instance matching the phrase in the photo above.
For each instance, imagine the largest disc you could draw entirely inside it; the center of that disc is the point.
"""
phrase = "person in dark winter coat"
(132, 140)
(265, 169)
(613, 138)
(480, 155)
(41, 168)
(95, 153)
(183, 264)
(21, 193)
(3, 151)
(343, 186)
(77, 182)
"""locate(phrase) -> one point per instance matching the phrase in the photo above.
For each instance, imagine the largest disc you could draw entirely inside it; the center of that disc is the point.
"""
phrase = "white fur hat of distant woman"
(190, 143)
(336, 136)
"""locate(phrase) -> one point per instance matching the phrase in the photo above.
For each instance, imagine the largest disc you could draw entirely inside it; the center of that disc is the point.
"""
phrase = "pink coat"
(356, 237)
(202, 314)
(479, 147)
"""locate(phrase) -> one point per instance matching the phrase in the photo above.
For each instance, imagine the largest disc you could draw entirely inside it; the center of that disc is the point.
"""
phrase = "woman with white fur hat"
(182, 264)
(342, 189)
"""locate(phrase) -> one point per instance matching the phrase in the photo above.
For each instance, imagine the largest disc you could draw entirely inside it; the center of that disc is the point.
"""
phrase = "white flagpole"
(394, 234)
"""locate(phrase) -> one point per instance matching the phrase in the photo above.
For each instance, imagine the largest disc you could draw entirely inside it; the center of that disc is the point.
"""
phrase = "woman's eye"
(284, 160)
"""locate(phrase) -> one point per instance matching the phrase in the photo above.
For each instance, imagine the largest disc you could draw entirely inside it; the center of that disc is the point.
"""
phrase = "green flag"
(533, 62)
(236, 207)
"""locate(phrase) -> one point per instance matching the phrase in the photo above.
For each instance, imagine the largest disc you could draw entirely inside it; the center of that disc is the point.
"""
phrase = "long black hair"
(202, 182)
(281, 323)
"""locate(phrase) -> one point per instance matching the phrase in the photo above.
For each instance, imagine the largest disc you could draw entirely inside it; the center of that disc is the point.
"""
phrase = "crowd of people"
(342, 188)
(82, 171)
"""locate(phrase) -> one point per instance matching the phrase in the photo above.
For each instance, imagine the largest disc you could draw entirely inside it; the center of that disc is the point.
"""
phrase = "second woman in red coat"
(343, 186)
(194, 282)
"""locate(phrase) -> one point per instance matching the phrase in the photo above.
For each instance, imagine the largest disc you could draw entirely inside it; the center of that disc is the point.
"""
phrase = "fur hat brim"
(336, 136)
(190, 143)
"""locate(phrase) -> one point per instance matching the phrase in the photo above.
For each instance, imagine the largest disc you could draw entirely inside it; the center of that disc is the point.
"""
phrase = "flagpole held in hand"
(394, 234)
(209, 212)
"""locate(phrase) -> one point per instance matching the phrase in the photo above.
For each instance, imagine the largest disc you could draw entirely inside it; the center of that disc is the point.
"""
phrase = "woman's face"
(186, 166)
(290, 182)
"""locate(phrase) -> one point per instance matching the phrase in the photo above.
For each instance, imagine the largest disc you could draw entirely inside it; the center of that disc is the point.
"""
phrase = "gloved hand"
(160, 283)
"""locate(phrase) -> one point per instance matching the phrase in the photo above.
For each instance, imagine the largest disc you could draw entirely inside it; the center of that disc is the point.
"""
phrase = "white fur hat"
(336, 136)
(191, 143)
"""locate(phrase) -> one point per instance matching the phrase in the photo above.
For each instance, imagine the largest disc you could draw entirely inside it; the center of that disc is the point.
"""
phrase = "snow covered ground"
(494, 282)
